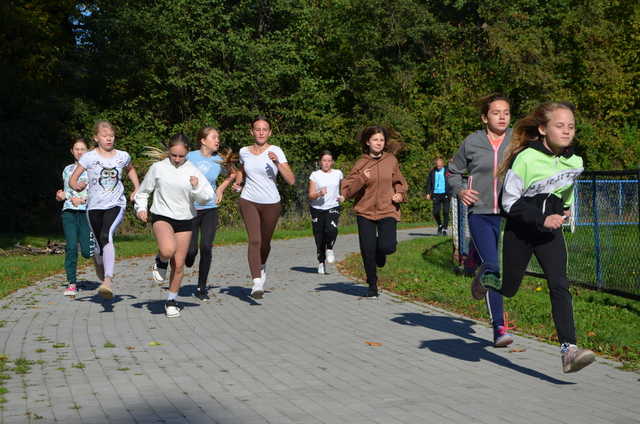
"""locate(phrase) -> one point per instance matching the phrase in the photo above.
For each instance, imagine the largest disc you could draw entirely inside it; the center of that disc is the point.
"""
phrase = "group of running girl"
(525, 175)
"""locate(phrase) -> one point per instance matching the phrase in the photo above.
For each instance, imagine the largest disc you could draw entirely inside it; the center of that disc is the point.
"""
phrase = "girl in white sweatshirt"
(176, 183)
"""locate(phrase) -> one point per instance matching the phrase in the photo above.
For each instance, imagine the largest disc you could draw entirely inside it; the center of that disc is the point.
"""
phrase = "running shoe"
(321, 268)
(439, 230)
(574, 359)
(478, 291)
(372, 293)
(202, 295)
(159, 270)
(331, 258)
(71, 290)
(105, 292)
(257, 291)
(501, 338)
(444, 231)
(171, 309)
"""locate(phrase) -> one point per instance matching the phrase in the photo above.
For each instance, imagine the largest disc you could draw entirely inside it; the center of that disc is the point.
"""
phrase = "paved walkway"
(300, 355)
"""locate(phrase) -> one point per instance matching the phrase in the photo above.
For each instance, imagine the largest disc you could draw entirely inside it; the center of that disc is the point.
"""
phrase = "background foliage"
(320, 69)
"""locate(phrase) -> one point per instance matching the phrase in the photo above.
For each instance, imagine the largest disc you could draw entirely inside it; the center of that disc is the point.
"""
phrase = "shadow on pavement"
(461, 349)
(422, 235)
(352, 289)
(107, 305)
(241, 293)
(156, 307)
(306, 269)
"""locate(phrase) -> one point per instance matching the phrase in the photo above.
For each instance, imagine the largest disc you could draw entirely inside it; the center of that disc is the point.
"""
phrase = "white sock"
(257, 282)
(171, 296)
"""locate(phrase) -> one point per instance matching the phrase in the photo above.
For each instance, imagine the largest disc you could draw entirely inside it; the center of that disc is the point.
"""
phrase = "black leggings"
(441, 201)
(377, 238)
(325, 229)
(519, 243)
(104, 223)
(204, 227)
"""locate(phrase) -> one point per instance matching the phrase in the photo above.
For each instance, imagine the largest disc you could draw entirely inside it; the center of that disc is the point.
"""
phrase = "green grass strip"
(422, 269)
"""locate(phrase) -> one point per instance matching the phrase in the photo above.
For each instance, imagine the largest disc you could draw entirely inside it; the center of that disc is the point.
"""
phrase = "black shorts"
(178, 225)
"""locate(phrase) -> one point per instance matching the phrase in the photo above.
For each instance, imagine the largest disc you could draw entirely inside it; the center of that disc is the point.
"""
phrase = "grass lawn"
(421, 269)
(18, 271)
(619, 257)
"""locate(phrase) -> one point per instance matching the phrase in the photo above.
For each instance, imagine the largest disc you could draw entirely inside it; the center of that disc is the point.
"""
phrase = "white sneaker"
(321, 268)
(171, 309)
(331, 258)
(159, 274)
(257, 291)
(71, 290)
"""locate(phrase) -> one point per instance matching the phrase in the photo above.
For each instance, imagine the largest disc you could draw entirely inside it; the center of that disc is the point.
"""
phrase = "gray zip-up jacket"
(480, 160)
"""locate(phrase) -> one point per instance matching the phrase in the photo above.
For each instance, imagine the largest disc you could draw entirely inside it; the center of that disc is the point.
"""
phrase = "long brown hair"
(527, 130)
(157, 154)
(392, 139)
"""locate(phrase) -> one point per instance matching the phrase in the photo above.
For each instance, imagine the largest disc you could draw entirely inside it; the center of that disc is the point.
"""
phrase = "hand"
(142, 215)
(397, 198)
(340, 198)
(219, 196)
(428, 197)
(133, 195)
(367, 173)
(273, 157)
(61, 196)
(322, 191)
(76, 201)
(237, 187)
(194, 181)
(553, 222)
(468, 197)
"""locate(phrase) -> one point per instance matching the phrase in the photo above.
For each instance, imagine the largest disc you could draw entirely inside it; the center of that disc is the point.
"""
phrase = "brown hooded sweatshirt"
(373, 195)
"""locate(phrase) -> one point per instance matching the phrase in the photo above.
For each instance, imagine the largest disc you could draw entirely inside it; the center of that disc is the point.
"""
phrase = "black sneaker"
(444, 231)
(439, 230)
(202, 295)
(381, 259)
(372, 293)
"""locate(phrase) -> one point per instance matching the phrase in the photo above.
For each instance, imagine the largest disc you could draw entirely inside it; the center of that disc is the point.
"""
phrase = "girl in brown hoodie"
(378, 187)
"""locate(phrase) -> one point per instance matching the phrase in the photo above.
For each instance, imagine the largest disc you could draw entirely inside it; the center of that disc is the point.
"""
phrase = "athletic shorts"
(178, 225)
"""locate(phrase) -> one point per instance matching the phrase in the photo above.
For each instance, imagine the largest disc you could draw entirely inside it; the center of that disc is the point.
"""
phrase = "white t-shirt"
(173, 195)
(330, 180)
(105, 179)
(261, 173)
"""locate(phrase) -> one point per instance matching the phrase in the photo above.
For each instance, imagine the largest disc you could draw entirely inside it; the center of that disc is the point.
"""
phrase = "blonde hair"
(527, 130)
(102, 123)
(158, 154)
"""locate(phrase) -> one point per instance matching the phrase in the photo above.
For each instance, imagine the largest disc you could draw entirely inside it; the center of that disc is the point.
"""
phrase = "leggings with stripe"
(104, 223)
(260, 221)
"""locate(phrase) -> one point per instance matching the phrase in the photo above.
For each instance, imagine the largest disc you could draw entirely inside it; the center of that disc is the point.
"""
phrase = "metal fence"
(602, 237)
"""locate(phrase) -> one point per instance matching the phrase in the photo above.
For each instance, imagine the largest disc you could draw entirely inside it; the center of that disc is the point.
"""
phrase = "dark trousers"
(485, 232)
(441, 202)
(204, 227)
(325, 229)
(76, 231)
(519, 244)
(377, 239)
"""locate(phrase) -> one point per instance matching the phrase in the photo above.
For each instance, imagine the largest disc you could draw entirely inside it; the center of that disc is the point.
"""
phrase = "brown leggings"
(260, 221)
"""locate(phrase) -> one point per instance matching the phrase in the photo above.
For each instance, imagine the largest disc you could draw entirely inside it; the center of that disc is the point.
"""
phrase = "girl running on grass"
(260, 200)
(479, 156)
(541, 169)
(324, 199)
(211, 163)
(74, 218)
(378, 187)
(176, 184)
(106, 203)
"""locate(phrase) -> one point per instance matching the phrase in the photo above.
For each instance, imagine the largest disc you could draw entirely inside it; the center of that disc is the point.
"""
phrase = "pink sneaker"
(71, 290)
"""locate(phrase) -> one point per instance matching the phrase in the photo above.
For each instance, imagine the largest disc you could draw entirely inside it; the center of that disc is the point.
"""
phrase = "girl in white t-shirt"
(176, 184)
(106, 203)
(260, 200)
(324, 199)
